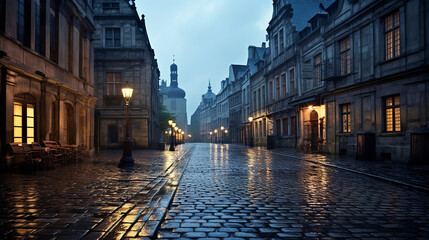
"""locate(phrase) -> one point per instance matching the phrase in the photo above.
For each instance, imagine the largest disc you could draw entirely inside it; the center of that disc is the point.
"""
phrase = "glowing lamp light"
(173, 125)
(127, 92)
(250, 119)
(170, 122)
(311, 107)
(222, 128)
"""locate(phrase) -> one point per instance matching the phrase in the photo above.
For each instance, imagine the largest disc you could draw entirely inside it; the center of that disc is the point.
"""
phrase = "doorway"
(314, 119)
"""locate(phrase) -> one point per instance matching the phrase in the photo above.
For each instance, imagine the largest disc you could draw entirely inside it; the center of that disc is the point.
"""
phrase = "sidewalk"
(413, 176)
(93, 198)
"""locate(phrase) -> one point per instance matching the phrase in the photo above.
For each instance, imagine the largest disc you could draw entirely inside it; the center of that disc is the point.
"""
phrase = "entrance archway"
(314, 117)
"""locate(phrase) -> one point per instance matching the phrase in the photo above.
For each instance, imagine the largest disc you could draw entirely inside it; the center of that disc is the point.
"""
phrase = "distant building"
(174, 99)
(123, 55)
(46, 80)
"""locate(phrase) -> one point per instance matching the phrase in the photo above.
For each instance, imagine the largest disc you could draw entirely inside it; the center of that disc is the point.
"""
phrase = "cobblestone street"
(209, 191)
(230, 191)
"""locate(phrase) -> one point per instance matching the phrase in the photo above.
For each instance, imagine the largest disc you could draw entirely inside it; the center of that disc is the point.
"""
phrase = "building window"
(114, 84)
(281, 41)
(285, 126)
(392, 36)
(113, 37)
(293, 127)
(39, 38)
(276, 45)
(2, 15)
(270, 89)
(345, 118)
(345, 56)
(292, 81)
(23, 22)
(278, 127)
(263, 96)
(318, 68)
(392, 114)
(278, 88)
(113, 134)
(110, 6)
(53, 34)
(284, 84)
(23, 122)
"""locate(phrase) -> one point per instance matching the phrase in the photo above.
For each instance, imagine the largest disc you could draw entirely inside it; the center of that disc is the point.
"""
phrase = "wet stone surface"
(232, 192)
(90, 199)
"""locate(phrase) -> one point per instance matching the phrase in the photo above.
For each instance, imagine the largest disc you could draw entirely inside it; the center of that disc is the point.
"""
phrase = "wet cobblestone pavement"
(91, 199)
(233, 192)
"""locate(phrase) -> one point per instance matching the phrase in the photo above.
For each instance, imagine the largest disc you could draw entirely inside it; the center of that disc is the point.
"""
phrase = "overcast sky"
(205, 36)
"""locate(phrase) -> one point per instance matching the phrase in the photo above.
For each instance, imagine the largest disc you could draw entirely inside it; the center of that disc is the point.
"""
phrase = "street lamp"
(211, 137)
(226, 135)
(251, 132)
(175, 135)
(127, 154)
(215, 131)
(170, 122)
(221, 133)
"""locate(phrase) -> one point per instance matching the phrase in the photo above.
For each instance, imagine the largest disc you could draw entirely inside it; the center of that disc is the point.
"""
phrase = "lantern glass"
(127, 92)
(250, 119)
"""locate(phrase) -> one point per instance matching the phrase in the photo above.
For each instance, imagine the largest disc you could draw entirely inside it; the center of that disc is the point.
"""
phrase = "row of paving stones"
(411, 175)
(93, 199)
(232, 192)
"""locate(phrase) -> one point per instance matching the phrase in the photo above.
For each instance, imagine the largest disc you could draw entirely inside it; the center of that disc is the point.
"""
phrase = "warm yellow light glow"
(211, 133)
(311, 107)
(173, 124)
(176, 128)
(226, 130)
(169, 131)
(250, 119)
(215, 131)
(166, 132)
(189, 135)
(170, 122)
(183, 132)
(222, 128)
(127, 92)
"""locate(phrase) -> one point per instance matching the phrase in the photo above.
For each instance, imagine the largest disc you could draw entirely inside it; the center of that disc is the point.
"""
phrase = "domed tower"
(173, 75)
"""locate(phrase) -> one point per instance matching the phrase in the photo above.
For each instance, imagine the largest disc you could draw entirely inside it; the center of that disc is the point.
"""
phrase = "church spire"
(173, 75)
(210, 87)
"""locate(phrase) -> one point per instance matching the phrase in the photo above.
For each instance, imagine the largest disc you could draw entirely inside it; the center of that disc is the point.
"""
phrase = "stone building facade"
(123, 55)
(351, 68)
(46, 62)
(174, 99)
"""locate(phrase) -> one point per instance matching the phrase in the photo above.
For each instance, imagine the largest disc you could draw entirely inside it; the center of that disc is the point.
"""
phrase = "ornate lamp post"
(251, 132)
(127, 154)
(215, 131)
(211, 137)
(221, 133)
(226, 135)
(175, 134)
(170, 122)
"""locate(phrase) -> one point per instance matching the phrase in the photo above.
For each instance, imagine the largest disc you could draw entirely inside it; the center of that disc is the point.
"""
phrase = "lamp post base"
(127, 154)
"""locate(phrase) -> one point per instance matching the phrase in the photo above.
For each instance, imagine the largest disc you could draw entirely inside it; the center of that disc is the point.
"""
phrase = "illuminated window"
(392, 114)
(345, 117)
(345, 56)
(114, 84)
(392, 36)
(23, 122)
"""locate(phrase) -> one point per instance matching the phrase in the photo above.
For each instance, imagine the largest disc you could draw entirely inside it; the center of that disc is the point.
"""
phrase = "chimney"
(264, 45)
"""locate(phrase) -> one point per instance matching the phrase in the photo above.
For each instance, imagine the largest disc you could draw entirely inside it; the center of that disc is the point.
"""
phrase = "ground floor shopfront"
(36, 108)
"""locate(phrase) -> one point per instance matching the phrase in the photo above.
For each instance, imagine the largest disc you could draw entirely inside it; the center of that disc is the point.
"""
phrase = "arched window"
(24, 119)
